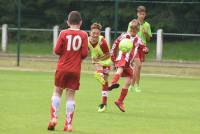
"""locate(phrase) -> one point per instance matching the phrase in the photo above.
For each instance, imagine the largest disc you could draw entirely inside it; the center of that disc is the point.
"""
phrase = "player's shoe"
(52, 124)
(120, 105)
(99, 77)
(68, 128)
(130, 88)
(102, 108)
(113, 86)
(137, 89)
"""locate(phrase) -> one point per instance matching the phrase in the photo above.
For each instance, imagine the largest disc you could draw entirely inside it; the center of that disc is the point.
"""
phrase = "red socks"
(123, 94)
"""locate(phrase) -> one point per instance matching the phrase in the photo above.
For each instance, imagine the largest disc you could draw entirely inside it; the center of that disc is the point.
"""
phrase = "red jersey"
(117, 55)
(72, 48)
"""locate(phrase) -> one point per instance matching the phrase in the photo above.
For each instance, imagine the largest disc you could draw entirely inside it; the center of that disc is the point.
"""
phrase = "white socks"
(55, 103)
(70, 107)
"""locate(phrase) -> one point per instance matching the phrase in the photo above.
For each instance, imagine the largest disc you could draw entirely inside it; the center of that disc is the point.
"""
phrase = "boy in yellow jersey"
(99, 49)
(145, 34)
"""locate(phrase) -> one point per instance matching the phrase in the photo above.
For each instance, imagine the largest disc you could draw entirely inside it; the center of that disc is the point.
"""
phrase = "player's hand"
(144, 31)
(145, 50)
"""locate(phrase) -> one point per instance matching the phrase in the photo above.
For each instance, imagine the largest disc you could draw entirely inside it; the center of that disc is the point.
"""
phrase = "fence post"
(107, 35)
(55, 34)
(4, 39)
(159, 46)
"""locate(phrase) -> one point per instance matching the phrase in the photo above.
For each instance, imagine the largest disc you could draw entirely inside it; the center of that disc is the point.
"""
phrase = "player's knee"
(70, 92)
(139, 64)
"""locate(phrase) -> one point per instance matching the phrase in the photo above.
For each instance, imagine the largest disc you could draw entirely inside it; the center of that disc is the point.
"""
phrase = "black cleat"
(102, 108)
(113, 86)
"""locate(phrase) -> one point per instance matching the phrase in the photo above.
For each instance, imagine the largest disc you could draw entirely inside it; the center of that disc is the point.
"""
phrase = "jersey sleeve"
(129, 26)
(115, 49)
(104, 46)
(59, 44)
(84, 50)
(149, 30)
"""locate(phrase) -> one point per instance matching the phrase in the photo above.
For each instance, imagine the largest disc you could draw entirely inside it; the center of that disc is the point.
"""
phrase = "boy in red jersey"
(72, 48)
(123, 62)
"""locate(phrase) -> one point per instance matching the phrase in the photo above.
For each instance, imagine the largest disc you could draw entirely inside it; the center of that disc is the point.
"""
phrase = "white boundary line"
(90, 72)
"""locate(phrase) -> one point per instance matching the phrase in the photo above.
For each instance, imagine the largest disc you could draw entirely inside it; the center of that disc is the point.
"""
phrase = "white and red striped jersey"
(117, 55)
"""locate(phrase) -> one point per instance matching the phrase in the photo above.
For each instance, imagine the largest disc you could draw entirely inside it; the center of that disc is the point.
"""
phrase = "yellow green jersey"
(144, 26)
(99, 51)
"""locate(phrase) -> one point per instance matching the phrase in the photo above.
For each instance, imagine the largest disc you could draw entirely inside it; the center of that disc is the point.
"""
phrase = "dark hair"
(74, 17)
(141, 9)
(96, 26)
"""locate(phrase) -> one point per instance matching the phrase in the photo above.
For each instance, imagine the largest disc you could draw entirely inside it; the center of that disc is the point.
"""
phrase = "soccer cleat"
(120, 105)
(52, 124)
(102, 108)
(113, 86)
(137, 89)
(99, 77)
(68, 128)
(130, 88)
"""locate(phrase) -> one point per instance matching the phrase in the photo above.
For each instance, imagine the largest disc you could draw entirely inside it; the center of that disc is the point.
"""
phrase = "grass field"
(167, 105)
(177, 50)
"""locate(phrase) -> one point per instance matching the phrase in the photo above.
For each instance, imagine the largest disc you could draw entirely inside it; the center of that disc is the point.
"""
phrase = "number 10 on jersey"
(73, 42)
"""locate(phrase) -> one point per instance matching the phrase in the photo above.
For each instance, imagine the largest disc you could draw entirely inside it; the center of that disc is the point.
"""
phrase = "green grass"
(167, 105)
(179, 50)
(32, 48)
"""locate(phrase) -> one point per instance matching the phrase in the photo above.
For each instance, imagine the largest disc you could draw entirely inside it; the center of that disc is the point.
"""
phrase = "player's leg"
(72, 84)
(131, 87)
(138, 66)
(123, 94)
(55, 104)
(116, 78)
(104, 92)
(70, 107)
(99, 76)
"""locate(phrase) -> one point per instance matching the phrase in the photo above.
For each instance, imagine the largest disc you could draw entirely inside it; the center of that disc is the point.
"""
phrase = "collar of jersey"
(73, 29)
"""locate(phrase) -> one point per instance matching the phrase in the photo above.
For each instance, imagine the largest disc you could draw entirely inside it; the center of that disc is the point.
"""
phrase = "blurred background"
(29, 29)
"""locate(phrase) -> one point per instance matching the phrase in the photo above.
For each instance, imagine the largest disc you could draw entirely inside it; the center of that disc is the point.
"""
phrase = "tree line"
(178, 18)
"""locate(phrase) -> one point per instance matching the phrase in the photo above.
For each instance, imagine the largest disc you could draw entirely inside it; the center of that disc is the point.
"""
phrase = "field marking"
(171, 75)
(91, 72)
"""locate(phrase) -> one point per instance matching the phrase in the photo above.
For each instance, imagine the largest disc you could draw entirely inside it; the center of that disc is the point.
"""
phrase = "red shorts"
(120, 63)
(140, 54)
(127, 72)
(64, 79)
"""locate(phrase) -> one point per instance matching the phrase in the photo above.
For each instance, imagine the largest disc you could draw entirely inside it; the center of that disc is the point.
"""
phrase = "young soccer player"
(123, 62)
(145, 34)
(99, 49)
(72, 48)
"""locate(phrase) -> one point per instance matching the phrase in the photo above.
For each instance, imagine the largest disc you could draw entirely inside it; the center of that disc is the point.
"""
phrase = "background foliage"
(179, 18)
